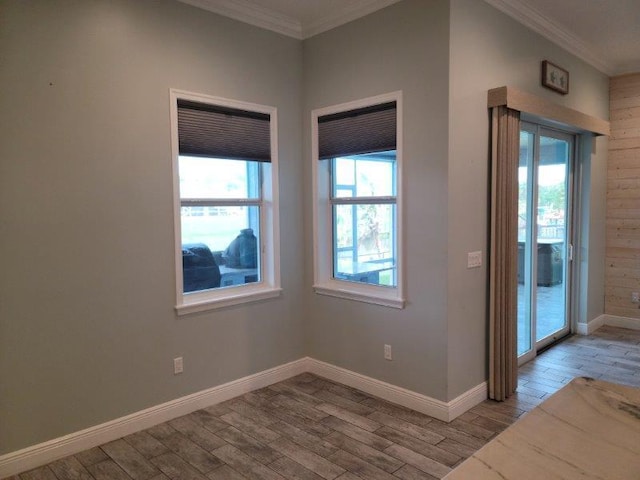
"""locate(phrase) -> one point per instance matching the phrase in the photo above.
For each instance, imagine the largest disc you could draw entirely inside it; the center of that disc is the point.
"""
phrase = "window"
(226, 203)
(363, 201)
(357, 158)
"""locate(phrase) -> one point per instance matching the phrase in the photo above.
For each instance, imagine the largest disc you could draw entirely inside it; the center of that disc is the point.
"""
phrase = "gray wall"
(593, 253)
(446, 192)
(87, 326)
(488, 50)
(403, 47)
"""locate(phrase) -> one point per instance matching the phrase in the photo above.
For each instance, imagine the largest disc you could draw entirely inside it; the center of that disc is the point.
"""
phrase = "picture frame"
(555, 77)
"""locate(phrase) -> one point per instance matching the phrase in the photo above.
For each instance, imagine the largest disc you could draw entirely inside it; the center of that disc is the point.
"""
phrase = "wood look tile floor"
(311, 428)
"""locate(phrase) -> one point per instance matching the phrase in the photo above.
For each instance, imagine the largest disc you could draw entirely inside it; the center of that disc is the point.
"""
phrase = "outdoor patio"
(550, 313)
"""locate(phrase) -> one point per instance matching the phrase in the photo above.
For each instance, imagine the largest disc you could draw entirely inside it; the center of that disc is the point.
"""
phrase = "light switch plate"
(178, 366)
(387, 352)
(474, 259)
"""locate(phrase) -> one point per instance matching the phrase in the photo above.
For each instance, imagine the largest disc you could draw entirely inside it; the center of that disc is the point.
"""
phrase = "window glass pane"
(369, 175)
(343, 192)
(372, 258)
(346, 254)
(374, 236)
(375, 178)
(218, 178)
(344, 226)
(220, 246)
(344, 172)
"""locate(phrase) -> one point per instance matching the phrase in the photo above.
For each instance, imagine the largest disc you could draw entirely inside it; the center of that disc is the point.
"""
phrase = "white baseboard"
(46, 452)
(468, 400)
(611, 320)
(622, 322)
(445, 411)
(43, 453)
(592, 326)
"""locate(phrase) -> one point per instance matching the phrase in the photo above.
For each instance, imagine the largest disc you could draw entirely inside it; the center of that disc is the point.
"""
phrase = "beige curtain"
(503, 272)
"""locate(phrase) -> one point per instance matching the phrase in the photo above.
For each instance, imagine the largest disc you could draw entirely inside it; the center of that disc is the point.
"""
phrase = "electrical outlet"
(178, 365)
(635, 297)
(387, 352)
(474, 259)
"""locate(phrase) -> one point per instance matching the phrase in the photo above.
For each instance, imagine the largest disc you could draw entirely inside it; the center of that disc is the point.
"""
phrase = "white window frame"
(324, 282)
(269, 284)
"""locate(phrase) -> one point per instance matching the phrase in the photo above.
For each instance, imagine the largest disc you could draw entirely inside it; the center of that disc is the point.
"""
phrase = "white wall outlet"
(387, 352)
(178, 365)
(474, 259)
(635, 297)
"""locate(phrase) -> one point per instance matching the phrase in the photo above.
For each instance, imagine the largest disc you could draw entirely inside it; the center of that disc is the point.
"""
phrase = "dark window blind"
(213, 131)
(363, 130)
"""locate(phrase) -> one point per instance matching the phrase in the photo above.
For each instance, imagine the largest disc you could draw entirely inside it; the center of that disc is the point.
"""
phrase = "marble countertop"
(589, 429)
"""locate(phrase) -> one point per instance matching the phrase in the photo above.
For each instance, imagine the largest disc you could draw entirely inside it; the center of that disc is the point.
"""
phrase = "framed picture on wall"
(555, 77)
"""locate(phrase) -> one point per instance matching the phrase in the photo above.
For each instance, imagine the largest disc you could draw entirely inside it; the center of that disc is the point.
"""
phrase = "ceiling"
(604, 33)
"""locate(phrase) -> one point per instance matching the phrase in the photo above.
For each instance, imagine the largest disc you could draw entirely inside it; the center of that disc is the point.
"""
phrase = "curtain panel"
(503, 271)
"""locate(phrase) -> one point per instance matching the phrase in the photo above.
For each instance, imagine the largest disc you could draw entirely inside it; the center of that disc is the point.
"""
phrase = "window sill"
(361, 293)
(202, 303)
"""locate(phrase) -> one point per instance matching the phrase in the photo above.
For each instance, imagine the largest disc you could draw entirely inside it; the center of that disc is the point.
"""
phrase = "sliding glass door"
(544, 237)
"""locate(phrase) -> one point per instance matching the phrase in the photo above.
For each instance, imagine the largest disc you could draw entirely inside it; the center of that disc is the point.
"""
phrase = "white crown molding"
(345, 15)
(531, 18)
(259, 16)
(252, 14)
